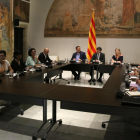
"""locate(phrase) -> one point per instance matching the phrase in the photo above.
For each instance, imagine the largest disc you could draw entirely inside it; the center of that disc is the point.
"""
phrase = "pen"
(127, 93)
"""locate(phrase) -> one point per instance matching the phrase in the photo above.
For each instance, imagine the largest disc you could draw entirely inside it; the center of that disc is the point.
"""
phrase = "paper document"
(134, 68)
(134, 77)
(32, 69)
(133, 93)
(133, 82)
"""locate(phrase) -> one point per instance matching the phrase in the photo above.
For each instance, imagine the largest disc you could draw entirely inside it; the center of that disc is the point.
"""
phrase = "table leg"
(44, 119)
(97, 72)
(60, 77)
(54, 121)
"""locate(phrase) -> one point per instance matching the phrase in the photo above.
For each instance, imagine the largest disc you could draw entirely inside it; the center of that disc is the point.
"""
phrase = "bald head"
(46, 51)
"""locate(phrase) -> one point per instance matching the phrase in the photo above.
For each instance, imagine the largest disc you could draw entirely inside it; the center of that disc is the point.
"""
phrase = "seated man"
(44, 57)
(78, 56)
(98, 57)
(136, 88)
(4, 64)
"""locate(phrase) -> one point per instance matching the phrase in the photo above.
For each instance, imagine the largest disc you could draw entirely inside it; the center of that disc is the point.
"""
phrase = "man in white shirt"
(136, 88)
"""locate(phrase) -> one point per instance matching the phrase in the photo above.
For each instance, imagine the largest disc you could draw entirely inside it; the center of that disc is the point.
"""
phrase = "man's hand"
(74, 59)
(97, 60)
(118, 61)
(35, 57)
(79, 60)
(89, 62)
(133, 89)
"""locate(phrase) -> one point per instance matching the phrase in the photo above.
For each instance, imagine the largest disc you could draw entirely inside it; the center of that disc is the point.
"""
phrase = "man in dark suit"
(98, 57)
(44, 57)
(78, 56)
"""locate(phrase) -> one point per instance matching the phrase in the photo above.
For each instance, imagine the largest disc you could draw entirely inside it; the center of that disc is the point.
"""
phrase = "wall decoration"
(113, 18)
(6, 27)
(21, 10)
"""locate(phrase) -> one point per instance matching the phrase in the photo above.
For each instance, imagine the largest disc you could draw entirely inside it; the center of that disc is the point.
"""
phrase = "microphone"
(129, 67)
(127, 82)
(120, 93)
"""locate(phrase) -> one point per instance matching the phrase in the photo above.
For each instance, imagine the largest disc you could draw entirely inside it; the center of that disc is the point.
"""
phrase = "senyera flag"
(92, 39)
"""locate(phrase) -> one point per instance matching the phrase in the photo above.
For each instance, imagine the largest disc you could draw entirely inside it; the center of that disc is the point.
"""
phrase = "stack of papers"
(32, 69)
(131, 72)
(134, 68)
(133, 93)
(133, 77)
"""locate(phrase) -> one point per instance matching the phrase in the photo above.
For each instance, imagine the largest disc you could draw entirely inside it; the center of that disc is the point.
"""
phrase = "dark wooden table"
(27, 89)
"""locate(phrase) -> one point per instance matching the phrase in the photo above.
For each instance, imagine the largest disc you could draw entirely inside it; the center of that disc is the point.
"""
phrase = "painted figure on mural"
(19, 13)
(6, 14)
(99, 8)
(4, 25)
(1, 13)
(128, 11)
(4, 32)
(88, 7)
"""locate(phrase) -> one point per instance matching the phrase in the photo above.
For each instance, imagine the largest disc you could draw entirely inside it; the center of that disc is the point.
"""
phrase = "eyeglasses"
(2, 55)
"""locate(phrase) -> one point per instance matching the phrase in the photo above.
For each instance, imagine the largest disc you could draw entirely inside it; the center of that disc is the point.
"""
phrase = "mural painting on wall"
(113, 18)
(21, 10)
(6, 27)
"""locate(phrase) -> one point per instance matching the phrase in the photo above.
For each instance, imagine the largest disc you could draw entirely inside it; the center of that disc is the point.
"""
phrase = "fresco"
(113, 18)
(6, 27)
(21, 10)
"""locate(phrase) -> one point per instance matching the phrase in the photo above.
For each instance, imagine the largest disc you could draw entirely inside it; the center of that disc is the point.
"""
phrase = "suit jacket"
(102, 57)
(42, 59)
(82, 56)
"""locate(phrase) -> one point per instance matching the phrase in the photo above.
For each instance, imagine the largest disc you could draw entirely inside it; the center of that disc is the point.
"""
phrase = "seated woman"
(117, 57)
(17, 64)
(32, 60)
(4, 64)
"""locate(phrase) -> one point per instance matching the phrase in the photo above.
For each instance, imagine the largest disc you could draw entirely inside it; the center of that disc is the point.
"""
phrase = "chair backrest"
(54, 57)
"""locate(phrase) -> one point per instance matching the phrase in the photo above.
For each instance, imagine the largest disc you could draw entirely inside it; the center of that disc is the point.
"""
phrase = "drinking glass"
(11, 74)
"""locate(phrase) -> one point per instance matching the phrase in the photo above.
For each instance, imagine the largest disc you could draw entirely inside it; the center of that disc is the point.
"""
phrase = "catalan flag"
(92, 39)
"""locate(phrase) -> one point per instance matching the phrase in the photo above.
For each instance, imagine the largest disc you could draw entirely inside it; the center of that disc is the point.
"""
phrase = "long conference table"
(31, 89)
